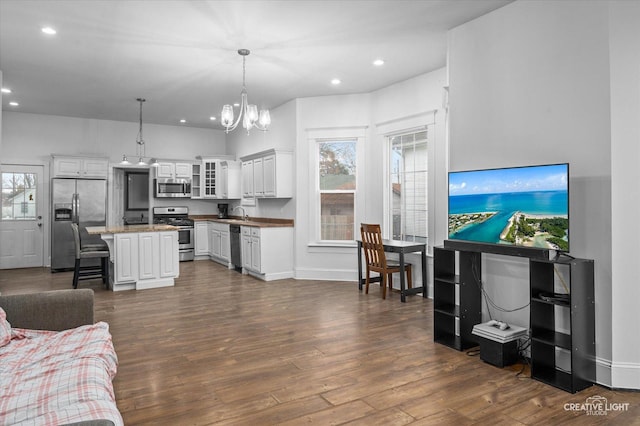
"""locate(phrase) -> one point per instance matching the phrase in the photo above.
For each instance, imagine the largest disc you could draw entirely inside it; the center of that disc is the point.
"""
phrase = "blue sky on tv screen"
(519, 179)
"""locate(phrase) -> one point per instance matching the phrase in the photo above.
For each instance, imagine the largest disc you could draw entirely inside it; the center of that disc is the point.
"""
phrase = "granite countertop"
(95, 230)
(260, 222)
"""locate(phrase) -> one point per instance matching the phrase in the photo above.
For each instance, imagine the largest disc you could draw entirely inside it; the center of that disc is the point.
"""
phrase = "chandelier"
(248, 112)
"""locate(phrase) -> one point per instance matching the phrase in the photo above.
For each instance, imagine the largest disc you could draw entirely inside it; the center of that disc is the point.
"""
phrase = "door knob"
(40, 224)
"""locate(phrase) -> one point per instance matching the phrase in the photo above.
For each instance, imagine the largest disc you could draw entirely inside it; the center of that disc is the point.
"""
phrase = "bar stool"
(89, 252)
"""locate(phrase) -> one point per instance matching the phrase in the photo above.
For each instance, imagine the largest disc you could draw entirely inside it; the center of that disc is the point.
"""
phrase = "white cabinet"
(169, 255)
(258, 179)
(143, 259)
(229, 179)
(201, 237)
(247, 251)
(165, 170)
(183, 170)
(196, 181)
(267, 252)
(149, 262)
(268, 174)
(225, 245)
(212, 239)
(214, 242)
(126, 258)
(173, 170)
(209, 178)
(82, 167)
(220, 178)
(247, 179)
(219, 242)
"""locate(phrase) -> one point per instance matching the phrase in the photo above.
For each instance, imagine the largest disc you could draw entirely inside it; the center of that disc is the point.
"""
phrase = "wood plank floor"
(226, 349)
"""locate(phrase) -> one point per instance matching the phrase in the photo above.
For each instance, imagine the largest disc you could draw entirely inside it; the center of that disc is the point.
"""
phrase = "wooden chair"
(376, 260)
(89, 252)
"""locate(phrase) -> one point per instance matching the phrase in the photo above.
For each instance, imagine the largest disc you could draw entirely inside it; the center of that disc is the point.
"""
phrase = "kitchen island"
(141, 256)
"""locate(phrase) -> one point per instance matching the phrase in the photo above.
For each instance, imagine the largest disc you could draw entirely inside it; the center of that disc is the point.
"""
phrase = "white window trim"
(314, 136)
(387, 129)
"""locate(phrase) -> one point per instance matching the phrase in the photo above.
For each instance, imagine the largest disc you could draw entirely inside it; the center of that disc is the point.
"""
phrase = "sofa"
(56, 364)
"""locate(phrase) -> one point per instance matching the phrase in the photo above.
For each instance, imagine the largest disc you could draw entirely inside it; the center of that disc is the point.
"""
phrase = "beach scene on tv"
(525, 206)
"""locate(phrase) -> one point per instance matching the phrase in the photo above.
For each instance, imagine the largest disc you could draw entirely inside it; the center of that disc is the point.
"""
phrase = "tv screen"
(521, 206)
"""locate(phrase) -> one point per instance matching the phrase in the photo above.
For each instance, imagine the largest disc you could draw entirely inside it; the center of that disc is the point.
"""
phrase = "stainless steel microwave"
(174, 188)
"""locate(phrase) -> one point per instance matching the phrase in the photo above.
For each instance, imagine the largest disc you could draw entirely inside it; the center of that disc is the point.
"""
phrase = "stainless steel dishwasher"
(236, 250)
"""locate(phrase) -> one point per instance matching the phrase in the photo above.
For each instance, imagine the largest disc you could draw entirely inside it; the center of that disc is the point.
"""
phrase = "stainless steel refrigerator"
(83, 201)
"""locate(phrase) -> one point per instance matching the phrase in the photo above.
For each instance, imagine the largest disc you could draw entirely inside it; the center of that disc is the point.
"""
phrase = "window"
(18, 196)
(408, 186)
(337, 189)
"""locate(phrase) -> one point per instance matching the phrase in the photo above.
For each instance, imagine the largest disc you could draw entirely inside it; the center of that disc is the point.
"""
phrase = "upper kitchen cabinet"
(82, 167)
(268, 174)
(218, 178)
(229, 179)
(173, 170)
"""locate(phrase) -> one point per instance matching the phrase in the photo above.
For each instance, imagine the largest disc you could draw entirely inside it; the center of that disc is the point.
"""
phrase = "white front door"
(21, 224)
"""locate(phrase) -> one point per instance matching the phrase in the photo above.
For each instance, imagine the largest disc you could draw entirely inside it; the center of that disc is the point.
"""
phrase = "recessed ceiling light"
(182, 120)
(49, 30)
(212, 118)
(6, 90)
(378, 62)
(336, 81)
(14, 103)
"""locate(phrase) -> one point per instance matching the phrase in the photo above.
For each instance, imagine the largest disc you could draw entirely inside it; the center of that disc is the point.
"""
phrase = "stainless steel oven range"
(178, 216)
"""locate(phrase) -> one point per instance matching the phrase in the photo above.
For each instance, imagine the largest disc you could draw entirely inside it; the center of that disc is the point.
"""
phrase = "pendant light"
(140, 148)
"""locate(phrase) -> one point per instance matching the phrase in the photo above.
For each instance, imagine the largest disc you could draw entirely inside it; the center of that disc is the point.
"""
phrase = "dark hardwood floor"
(223, 348)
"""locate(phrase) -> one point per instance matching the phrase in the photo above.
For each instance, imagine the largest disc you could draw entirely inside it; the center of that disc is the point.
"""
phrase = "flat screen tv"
(517, 206)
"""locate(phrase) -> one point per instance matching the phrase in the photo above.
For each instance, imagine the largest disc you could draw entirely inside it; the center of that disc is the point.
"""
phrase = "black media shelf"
(456, 297)
(545, 316)
(562, 330)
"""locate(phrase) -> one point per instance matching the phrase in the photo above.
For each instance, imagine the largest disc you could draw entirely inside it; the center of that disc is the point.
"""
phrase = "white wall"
(530, 84)
(1, 94)
(405, 102)
(624, 17)
(32, 138)
(281, 135)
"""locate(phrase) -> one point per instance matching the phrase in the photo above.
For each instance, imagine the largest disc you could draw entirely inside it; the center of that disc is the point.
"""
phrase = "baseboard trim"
(325, 275)
(625, 375)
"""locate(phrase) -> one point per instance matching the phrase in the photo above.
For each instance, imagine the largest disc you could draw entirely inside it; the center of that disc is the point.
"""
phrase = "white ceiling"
(182, 55)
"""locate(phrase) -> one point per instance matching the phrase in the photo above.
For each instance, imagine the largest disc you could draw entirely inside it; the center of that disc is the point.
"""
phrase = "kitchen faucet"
(245, 216)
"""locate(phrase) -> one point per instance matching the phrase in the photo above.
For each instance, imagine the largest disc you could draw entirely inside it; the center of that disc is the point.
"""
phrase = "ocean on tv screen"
(521, 206)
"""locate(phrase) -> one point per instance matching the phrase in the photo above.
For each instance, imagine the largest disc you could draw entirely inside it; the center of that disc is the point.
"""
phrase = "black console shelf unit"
(549, 334)
(466, 311)
(545, 313)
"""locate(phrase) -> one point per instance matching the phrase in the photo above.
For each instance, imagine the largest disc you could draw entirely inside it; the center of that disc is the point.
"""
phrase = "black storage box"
(498, 354)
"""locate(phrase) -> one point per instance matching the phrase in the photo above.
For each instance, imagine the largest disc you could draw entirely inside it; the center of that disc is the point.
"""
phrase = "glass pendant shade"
(265, 118)
(226, 117)
(252, 113)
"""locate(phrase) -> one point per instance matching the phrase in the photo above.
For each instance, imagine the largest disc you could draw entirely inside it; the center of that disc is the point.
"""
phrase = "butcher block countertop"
(261, 222)
(96, 230)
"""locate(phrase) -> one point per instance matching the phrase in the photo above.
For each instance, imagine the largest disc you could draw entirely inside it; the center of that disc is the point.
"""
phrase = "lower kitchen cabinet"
(201, 239)
(267, 252)
(219, 243)
(212, 241)
(143, 260)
